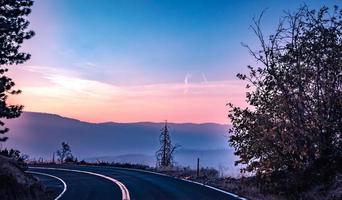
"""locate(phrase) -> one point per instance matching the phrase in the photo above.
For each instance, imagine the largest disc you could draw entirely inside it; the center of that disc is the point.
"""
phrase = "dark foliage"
(10, 189)
(70, 159)
(15, 154)
(116, 164)
(13, 32)
(15, 183)
(64, 154)
(187, 173)
(290, 136)
(19, 158)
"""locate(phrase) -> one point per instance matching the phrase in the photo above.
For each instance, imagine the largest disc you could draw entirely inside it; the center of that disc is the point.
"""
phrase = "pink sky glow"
(62, 92)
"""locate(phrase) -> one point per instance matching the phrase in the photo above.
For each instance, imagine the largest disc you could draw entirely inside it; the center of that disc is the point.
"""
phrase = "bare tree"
(165, 153)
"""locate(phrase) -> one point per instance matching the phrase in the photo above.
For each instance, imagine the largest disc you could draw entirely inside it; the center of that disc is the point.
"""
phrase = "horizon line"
(132, 122)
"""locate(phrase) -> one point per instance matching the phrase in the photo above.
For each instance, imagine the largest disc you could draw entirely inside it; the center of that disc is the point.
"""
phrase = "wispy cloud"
(67, 93)
(204, 77)
(186, 83)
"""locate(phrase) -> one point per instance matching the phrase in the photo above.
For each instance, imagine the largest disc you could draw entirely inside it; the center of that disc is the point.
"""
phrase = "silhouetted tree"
(13, 31)
(290, 136)
(64, 154)
(165, 153)
(71, 159)
(15, 154)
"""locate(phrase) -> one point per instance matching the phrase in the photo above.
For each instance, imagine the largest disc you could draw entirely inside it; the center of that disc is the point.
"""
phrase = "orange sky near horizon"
(62, 92)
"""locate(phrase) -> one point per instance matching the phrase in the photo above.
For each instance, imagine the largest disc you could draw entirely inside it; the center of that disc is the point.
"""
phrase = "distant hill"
(40, 134)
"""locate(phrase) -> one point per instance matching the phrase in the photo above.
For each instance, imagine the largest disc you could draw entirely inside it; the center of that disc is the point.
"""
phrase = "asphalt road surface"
(94, 182)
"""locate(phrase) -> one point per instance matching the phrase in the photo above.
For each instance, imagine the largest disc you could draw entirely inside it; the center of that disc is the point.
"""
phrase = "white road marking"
(61, 180)
(202, 184)
(217, 189)
(124, 190)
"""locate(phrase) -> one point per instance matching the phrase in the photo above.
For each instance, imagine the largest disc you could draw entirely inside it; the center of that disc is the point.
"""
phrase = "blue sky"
(144, 42)
(142, 60)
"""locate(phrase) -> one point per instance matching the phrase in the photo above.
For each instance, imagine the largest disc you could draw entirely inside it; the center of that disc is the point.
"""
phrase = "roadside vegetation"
(289, 137)
(14, 182)
(64, 154)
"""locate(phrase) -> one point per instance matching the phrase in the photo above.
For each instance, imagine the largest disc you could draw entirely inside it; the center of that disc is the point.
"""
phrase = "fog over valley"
(121, 142)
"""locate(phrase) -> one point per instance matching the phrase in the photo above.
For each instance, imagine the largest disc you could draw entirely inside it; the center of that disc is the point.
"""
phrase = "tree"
(20, 158)
(15, 154)
(64, 154)
(165, 153)
(290, 136)
(13, 32)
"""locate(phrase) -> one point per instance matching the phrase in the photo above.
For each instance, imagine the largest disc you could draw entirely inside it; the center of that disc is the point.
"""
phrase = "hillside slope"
(16, 184)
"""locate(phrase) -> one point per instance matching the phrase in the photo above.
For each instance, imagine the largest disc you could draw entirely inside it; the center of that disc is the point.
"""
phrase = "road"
(95, 182)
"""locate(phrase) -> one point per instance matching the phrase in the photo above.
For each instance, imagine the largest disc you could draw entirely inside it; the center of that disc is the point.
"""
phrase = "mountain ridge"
(40, 135)
(113, 122)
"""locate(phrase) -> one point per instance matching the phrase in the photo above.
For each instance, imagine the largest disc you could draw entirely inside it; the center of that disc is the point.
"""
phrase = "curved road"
(83, 183)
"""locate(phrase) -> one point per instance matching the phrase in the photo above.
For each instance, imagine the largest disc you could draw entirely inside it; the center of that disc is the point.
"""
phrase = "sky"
(142, 60)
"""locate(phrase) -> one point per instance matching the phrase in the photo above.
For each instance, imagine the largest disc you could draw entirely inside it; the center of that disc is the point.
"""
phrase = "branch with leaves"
(293, 124)
(13, 32)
